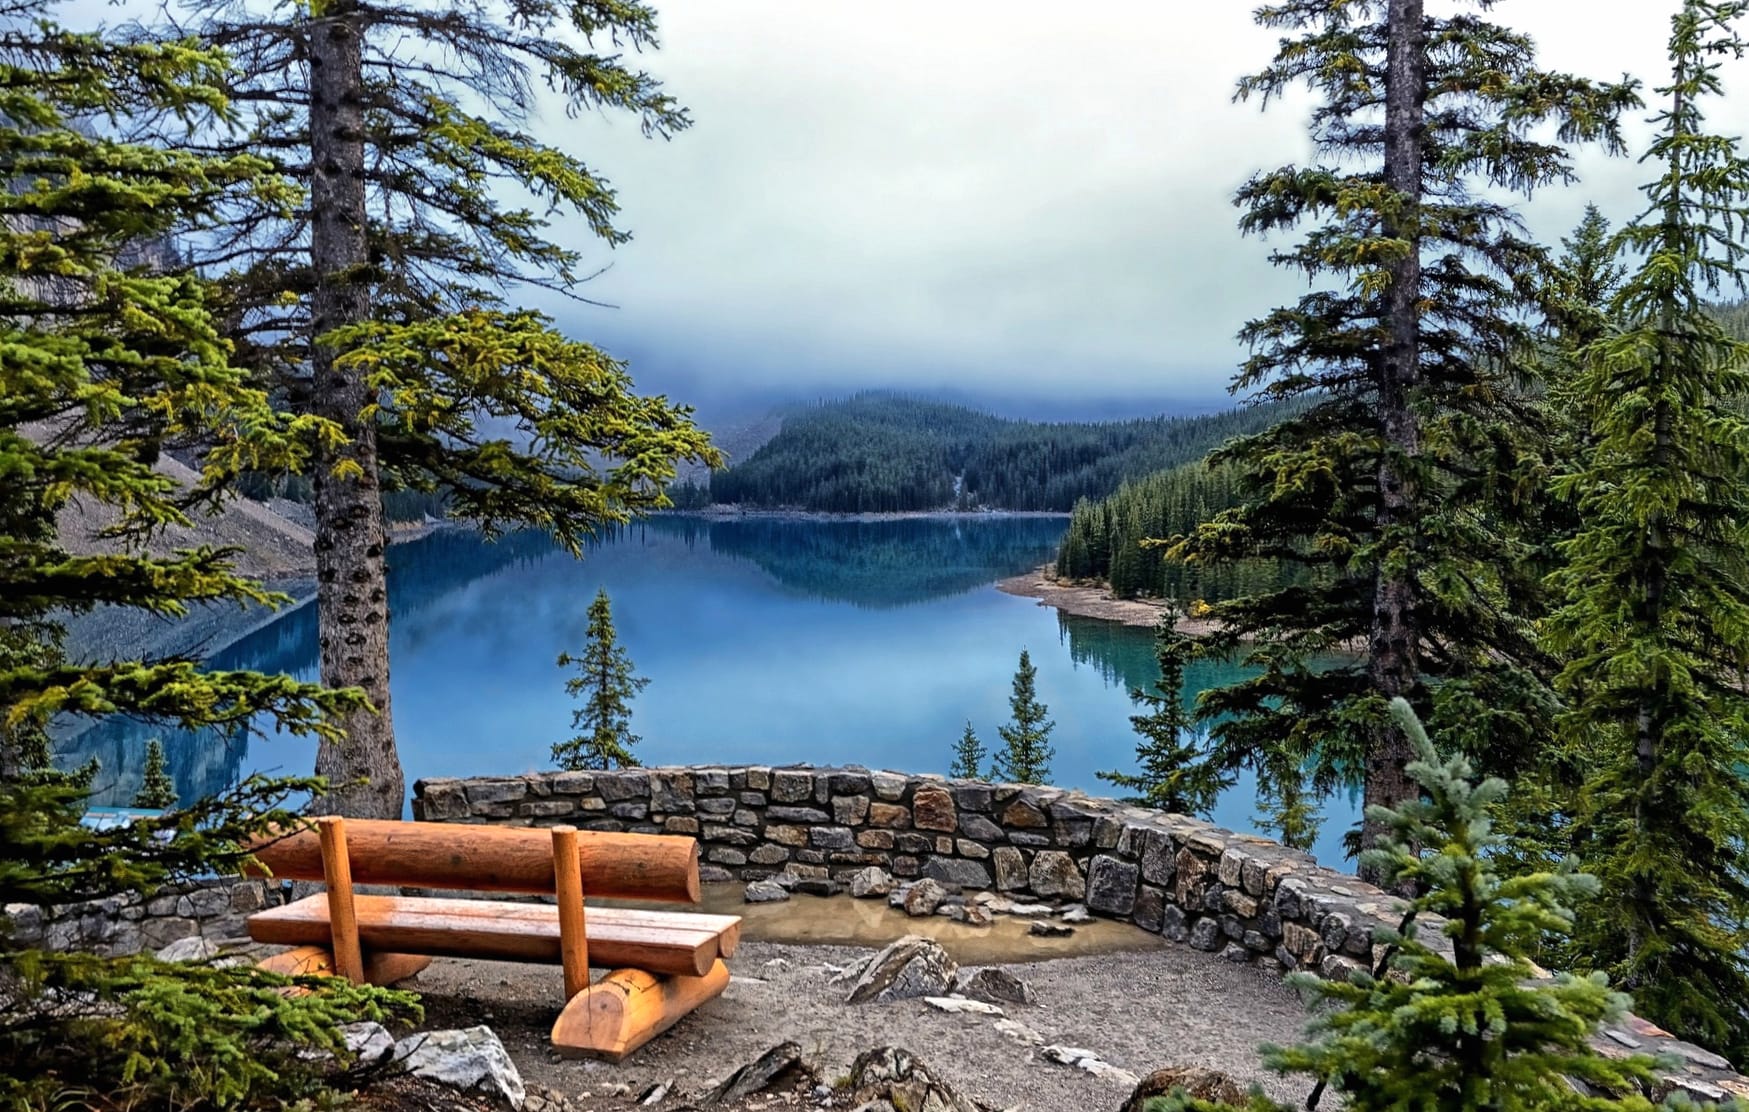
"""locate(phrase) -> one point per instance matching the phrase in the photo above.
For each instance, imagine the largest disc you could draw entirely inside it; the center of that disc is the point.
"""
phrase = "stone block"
(443, 800)
(849, 783)
(680, 824)
(909, 841)
(723, 855)
(889, 815)
(618, 786)
(155, 934)
(722, 806)
(672, 793)
(888, 786)
(248, 897)
(1206, 935)
(1158, 864)
(1173, 924)
(797, 814)
(981, 828)
(832, 837)
(957, 872)
(1023, 814)
(932, 808)
(571, 783)
(710, 781)
(204, 903)
(1106, 831)
(735, 835)
(969, 795)
(630, 810)
(1239, 903)
(746, 817)
(1253, 873)
(1010, 869)
(1072, 822)
(753, 799)
(850, 810)
(1029, 838)
(969, 848)
(1149, 912)
(789, 786)
(1054, 875)
(875, 839)
(769, 854)
(546, 808)
(759, 779)
(1111, 885)
(906, 866)
(494, 791)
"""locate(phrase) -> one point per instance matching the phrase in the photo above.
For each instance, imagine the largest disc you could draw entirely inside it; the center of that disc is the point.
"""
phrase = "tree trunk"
(1393, 647)
(352, 602)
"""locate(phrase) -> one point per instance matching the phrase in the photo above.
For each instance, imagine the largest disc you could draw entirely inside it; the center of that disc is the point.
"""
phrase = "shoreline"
(722, 512)
(1084, 601)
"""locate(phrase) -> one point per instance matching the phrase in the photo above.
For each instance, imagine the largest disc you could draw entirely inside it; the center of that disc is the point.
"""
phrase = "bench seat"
(686, 943)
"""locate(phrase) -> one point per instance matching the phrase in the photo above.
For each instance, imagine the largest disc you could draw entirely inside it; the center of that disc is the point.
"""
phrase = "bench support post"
(342, 917)
(568, 887)
(629, 1007)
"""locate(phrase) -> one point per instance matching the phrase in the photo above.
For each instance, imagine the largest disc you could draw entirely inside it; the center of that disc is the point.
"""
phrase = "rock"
(913, 966)
(1045, 929)
(764, 891)
(780, 1066)
(960, 1005)
(1076, 913)
(1054, 875)
(367, 1042)
(890, 1078)
(996, 985)
(470, 1060)
(974, 915)
(1019, 1032)
(1031, 911)
(190, 949)
(1010, 868)
(923, 898)
(1089, 1061)
(1197, 1083)
(933, 809)
(1111, 885)
(957, 872)
(873, 881)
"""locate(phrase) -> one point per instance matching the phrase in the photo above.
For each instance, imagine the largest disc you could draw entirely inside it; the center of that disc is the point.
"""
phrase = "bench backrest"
(495, 859)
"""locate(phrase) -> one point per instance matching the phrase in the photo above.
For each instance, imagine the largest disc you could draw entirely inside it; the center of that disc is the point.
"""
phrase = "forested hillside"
(880, 453)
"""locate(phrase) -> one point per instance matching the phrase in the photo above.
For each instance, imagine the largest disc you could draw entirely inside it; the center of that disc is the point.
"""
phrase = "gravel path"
(1138, 1010)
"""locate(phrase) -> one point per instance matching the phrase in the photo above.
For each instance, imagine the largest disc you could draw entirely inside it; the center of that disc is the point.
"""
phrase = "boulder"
(911, 967)
(873, 881)
(194, 949)
(923, 898)
(764, 891)
(1197, 1083)
(367, 1042)
(957, 872)
(1054, 875)
(472, 1060)
(892, 1079)
(995, 985)
(781, 1066)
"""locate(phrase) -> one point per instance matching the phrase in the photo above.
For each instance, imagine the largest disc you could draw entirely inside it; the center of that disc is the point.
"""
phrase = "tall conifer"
(1656, 620)
(157, 790)
(1025, 756)
(1173, 773)
(1380, 487)
(607, 684)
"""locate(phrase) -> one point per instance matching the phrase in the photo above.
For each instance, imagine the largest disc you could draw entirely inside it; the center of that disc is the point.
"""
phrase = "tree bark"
(1393, 648)
(352, 602)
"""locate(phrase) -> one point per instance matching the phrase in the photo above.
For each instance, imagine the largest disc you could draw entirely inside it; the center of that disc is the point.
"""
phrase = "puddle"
(843, 921)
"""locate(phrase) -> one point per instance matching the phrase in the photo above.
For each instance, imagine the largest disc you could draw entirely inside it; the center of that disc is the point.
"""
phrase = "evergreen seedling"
(157, 791)
(968, 756)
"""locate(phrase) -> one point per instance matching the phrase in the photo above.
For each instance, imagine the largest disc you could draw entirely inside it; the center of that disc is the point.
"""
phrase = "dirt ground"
(1094, 602)
(1140, 1010)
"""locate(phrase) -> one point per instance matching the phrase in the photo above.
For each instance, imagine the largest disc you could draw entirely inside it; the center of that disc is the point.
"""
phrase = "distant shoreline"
(735, 513)
(1087, 601)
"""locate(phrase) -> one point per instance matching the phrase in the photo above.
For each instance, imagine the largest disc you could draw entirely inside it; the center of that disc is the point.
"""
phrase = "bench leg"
(318, 961)
(629, 1007)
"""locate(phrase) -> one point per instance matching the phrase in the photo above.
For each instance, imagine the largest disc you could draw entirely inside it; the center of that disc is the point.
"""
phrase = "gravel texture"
(1139, 1011)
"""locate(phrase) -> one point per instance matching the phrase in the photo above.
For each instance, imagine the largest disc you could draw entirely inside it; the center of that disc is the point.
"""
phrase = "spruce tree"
(108, 359)
(157, 791)
(1173, 773)
(1025, 756)
(1464, 1022)
(607, 685)
(1655, 625)
(380, 302)
(1382, 490)
(968, 756)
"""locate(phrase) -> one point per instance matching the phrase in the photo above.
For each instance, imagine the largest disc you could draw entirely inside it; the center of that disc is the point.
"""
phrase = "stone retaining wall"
(1245, 897)
(212, 909)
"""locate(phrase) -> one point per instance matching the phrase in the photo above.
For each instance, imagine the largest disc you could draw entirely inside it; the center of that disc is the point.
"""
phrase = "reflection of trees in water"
(203, 762)
(879, 564)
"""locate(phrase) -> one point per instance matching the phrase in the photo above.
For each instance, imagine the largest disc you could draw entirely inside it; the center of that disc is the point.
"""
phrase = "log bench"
(662, 964)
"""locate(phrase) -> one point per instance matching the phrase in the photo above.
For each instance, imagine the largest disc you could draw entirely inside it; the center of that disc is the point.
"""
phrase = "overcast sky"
(981, 193)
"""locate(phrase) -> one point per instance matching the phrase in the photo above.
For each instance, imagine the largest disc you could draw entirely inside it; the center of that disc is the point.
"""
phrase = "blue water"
(764, 641)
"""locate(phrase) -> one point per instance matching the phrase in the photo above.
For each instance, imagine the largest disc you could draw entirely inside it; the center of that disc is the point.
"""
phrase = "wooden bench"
(663, 963)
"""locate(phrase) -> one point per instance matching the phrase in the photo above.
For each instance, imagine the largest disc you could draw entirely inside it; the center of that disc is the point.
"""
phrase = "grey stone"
(1206, 935)
(764, 891)
(969, 848)
(981, 828)
(1021, 813)
(470, 1060)
(769, 855)
(192, 949)
(911, 967)
(791, 787)
(923, 897)
(1158, 865)
(971, 795)
(888, 1078)
(1173, 925)
(1111, 885)
(888, 786)
(1054, 875)
(806, 815)
(618, 786)
(1026, 838)
(367, 1042)
(630, 809)
(205, 903)
(850, 810)
(1072, 822)
(723, 855)
(572, 783)
(849, 782)
(495, 791)
(995, 985)
(732, 835)
(155, 934)
(832, 837)
(672, 793)
(873, 881)
(1046, 929)
(957, 872)
(1010, 869)
(1150, 909)
(1076, 914)
(759, 1075)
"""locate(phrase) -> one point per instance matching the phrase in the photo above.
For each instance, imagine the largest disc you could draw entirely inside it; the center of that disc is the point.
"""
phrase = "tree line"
(883, 453)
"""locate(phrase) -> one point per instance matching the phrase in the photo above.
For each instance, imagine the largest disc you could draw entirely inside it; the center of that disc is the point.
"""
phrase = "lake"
(765, 641)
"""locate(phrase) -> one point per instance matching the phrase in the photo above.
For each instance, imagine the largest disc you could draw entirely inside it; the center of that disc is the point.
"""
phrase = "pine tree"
(607, 684)
(1463, 1023)
(968, 756)
(1025, 756)
(379, 303)
(108, 358)
(1382, 490)
(157, 791)
(1656, 617)
(1174, 773)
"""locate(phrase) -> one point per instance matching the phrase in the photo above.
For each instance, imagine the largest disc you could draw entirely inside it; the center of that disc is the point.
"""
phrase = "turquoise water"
(764, 641)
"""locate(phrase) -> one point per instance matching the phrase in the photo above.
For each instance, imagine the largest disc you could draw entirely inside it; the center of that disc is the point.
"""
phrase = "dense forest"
(882, 453)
